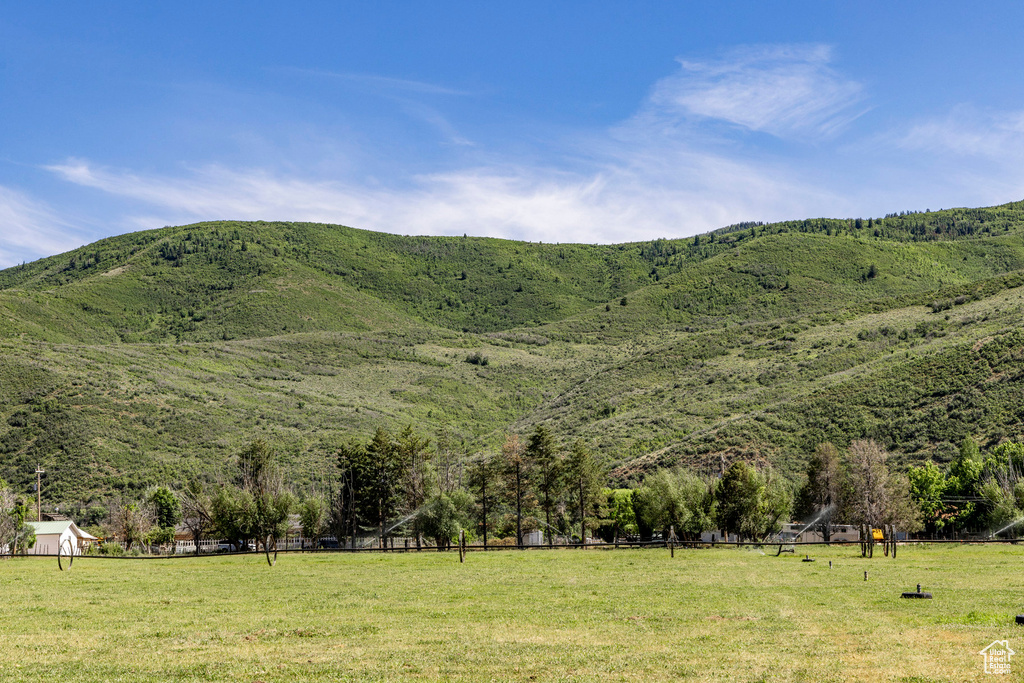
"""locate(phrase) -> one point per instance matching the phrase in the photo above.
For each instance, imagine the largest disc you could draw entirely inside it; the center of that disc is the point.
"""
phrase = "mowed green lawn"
(713, 614)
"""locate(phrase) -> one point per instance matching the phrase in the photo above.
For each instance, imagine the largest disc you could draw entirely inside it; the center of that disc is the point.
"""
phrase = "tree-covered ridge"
(147, 355)
(205, 281)
(914, 226)
(218, 279)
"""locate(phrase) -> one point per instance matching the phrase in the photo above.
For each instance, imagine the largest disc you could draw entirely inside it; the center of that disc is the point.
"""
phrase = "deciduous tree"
(751, 504)
(258, 507)
(879, 496)
(130, 521)
(313, 516)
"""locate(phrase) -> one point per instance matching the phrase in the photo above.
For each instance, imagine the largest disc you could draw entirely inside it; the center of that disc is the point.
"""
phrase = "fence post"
(672, 541)
(462, 545)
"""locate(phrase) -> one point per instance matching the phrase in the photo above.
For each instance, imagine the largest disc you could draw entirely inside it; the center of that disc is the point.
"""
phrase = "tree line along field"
(704, 615)
(153, 357)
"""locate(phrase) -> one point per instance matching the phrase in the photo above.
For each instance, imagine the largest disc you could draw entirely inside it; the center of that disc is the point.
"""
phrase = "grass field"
(714, 614)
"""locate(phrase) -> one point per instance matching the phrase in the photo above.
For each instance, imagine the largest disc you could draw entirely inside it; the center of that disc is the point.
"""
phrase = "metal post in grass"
(462, 545)
(672, 541)
(39, 493)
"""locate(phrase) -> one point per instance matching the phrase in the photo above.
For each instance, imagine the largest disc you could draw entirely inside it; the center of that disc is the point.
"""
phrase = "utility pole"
(39, 493)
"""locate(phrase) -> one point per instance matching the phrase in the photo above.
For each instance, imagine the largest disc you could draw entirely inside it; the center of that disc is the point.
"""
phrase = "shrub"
(111, 549)
(477, 358)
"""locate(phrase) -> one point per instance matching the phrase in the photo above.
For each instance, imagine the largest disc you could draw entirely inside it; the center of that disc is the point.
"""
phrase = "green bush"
(112, 549)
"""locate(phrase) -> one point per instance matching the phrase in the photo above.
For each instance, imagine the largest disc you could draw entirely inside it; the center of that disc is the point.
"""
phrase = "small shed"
(50, 536)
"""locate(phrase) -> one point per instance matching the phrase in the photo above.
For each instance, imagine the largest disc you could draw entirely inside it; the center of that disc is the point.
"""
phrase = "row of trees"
(146, 522)
(860, 488)
(388, 485)
(748, 503)
(405, 485)
(398, 484)
(253, 504)
(975, 492)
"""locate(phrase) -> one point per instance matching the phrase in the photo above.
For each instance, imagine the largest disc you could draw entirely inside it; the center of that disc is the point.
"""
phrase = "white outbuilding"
(50, 536)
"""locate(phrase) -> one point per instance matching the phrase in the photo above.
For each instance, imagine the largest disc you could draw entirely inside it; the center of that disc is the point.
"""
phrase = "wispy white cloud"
(217, 192)
(671, 193)
(31, 229)
(381, 83)
(669, 170)
(651, 176)
(965, 157)
(432, 117)
(412, 96)
(787, 91)
(968, 132)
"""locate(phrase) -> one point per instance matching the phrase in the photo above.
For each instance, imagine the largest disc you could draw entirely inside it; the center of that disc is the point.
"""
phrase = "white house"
(50, 536)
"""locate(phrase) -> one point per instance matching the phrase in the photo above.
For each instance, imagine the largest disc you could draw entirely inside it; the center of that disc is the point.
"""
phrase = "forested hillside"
(148, 357)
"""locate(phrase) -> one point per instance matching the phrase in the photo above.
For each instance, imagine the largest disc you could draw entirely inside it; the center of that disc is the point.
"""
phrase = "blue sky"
(569, 121)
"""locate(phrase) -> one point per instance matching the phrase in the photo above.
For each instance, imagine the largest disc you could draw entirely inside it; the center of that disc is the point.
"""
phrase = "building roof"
(57, 528)
(54, 517)
(47, 528)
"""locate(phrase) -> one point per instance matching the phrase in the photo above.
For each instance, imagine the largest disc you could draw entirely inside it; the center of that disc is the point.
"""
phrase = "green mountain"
(153, 356)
